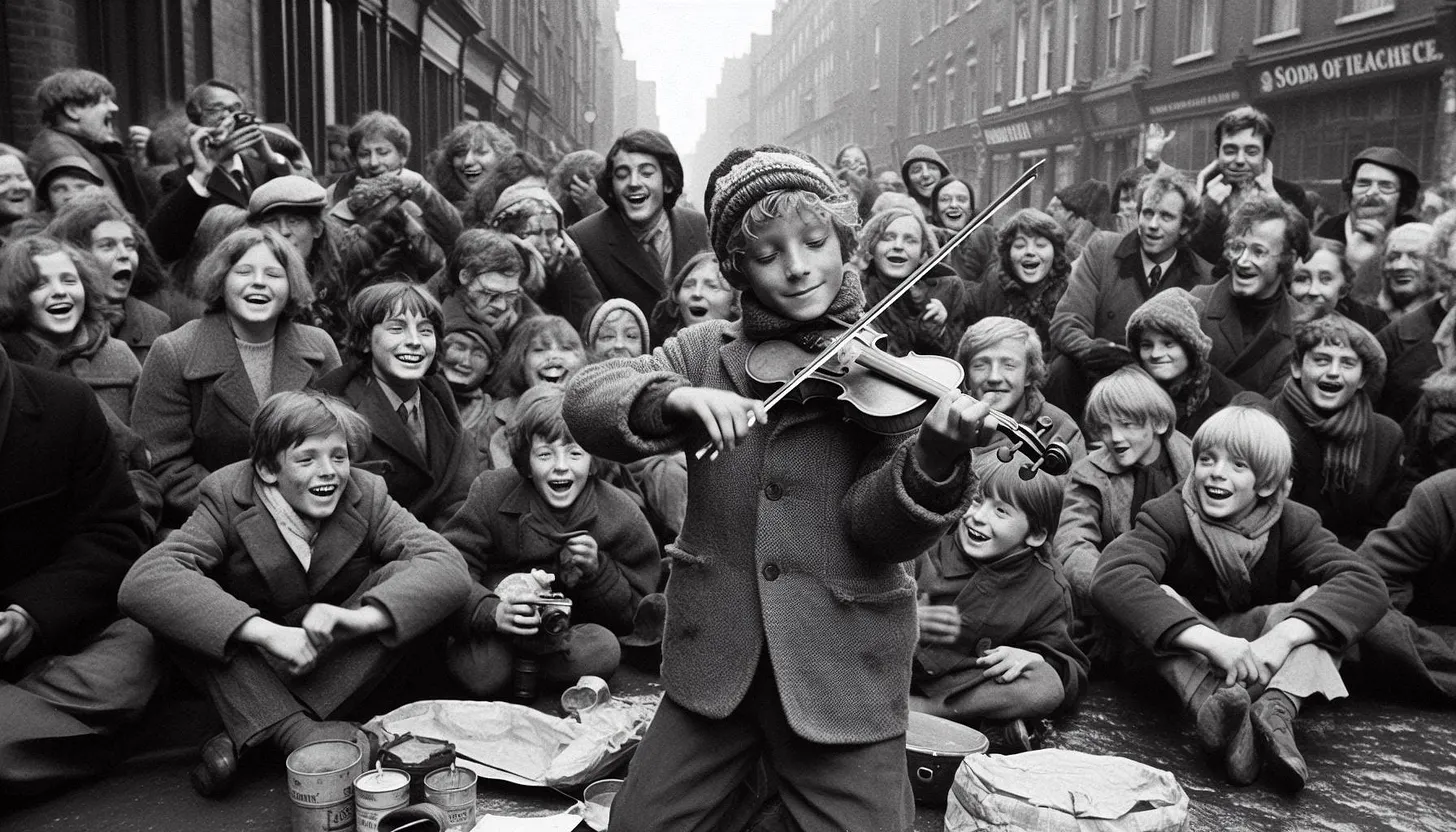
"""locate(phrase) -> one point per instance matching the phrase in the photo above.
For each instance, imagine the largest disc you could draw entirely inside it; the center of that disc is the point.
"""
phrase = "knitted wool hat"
(1335, 328)
(518, 193)
(1174, 312)
(1085, 199)
(591, 325)
(287, 193)
(746, 176)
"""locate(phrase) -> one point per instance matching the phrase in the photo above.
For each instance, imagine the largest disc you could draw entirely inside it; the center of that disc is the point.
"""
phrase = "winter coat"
(195, 404)
(570, 291)
(1300, 553)
(1023, 603)
(495, 534)
(1221, 394)
(901, 322)
(1262, 365)
(174, 222)
(143, 325)
(433, 485)
(110, 161)
(1430, 429)
(1107, 285)
(1001, 294)
(1379, 489)
(1410, 354)
(796, 543)
(623, 269)
(972, 258)
(1097, 508)
(104, 363)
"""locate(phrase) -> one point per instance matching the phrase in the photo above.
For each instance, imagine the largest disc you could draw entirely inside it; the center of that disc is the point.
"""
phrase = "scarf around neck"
(554, 527)
(763, 324)
(1234, 549)
(297, 532)
(1341, 435)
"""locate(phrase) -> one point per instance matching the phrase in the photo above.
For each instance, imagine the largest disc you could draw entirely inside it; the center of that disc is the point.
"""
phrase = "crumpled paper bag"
(522, 745)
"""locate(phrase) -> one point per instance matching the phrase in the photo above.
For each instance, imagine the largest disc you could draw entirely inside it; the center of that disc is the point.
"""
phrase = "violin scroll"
(1050, 456)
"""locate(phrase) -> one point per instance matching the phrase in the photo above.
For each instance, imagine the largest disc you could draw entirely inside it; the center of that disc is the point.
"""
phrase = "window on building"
(877, 56)
(916, 106)
(1114, 33)
(1365, 7)
(1196, 35)
(1139, 30)
(998, 72)
(973, 92)
(950, 113)
(1074, 18)
(1023, 26)
(932, 114)
(1277, 17)
(1046, 17)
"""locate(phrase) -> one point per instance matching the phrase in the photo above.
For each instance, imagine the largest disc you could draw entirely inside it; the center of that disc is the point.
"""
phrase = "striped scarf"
(1341, 435)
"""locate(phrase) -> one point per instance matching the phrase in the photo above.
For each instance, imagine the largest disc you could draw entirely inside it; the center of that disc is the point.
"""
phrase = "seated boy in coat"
(1243, 599)
(549, 513)
(995, 611)
(295, 586)
(1141, 457)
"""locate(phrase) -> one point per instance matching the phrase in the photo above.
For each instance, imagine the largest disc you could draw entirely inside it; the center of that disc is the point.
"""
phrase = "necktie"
(1154, 277)
(411, 418)
(240, 180)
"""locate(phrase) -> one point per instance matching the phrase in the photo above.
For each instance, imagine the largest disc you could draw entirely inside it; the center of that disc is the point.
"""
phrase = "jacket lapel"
(267, 549)
(629, 253)
(339, 540)
(385, 423)
(215, 355)
(296, 359)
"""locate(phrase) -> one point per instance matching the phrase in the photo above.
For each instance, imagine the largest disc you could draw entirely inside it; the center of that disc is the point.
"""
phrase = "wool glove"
(1104, 357)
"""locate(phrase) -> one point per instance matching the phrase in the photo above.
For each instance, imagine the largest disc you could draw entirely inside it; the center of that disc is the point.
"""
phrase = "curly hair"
(776, 204)
(507, 171)
(1260, 208)
(459, 141)
(212, 273)
(1029, 222)
(20, 275)
(1166, 182)
(870, 235)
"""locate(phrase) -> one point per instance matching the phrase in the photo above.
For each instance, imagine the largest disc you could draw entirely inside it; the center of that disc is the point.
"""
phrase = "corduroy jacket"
(794, 542)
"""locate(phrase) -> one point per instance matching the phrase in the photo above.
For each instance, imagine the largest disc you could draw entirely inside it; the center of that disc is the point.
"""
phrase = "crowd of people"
(312, 439)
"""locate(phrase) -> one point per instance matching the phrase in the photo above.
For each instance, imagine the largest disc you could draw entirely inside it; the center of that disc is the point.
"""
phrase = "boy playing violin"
(791, 623)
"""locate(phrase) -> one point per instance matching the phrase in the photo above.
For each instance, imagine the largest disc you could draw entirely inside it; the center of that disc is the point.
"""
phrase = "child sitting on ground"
(995, 607)
(1141, 457)
(295, 586)
(1206, 583)
(547, 512)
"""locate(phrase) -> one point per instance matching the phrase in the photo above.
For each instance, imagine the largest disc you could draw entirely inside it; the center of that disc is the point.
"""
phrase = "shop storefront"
(1189, 109)
(1330, 103)
(1113, 119)
(1016, 141)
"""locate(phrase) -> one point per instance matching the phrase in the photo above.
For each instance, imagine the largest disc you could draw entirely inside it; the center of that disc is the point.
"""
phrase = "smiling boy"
(1204, 588)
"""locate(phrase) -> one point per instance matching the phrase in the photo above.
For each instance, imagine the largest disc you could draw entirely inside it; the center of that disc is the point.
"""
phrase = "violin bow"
(893, 295)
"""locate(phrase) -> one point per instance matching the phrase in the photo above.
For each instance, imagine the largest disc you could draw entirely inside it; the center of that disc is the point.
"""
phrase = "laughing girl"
(930, 318)
(543, 350)
(1027, 278)
(392, 379)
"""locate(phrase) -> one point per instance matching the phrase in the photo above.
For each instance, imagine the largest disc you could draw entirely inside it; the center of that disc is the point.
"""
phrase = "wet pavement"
(1374, 765)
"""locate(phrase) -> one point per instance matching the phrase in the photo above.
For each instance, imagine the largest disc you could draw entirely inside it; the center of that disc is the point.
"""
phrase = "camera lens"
(555, 621)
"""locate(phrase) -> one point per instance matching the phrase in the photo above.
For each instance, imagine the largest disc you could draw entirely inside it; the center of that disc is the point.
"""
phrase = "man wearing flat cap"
(1382, 186)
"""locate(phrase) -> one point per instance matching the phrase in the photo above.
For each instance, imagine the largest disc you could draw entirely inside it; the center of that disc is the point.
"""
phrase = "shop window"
(1139, 30)
(950, 112)
(932, 121)
(1114, 33)
(1352, 10)
(1046, 17)
(1074, 19)
(998, 72)
(1195, 30)
(1277, 19)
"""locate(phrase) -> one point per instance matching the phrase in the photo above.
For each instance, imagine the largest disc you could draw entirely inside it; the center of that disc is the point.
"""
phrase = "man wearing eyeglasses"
(1382, 186)
(1248, 314)
(230, 158)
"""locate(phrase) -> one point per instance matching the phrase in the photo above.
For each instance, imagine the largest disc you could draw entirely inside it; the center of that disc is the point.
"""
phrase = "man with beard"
(1248, 314)
(1241, 139)
(17, 194)
(1418, 270)
(641, 239)
(1405, 269)
(78, 111)
(1113, 277)
(1382, 186)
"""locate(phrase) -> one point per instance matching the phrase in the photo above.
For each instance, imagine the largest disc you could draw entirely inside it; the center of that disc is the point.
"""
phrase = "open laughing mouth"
(560, 486)
(636, 200)
(323, 492)
(410, 358)
(697, 310)
(1121, 449)
(552, 373)
(1332, 388)
(258, 298)
(1216, 493)
(60, 309)
(953, 214)
(896, 259)
(975, 536)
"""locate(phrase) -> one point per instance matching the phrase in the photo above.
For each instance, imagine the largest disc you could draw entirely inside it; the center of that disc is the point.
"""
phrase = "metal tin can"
(321, 785)
(588, 692)
(453, 789)
(377, 793)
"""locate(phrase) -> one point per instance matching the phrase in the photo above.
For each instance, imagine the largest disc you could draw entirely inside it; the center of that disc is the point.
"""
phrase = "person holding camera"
(230, 157)
(548, 513)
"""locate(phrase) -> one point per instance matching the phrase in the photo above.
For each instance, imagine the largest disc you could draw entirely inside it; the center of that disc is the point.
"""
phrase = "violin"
(887, 395)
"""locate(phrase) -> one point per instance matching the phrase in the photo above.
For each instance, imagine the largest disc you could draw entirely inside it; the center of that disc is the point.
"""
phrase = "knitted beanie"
(746, 176)
(519, 193)
(1173, 312)
(1335, 328)
(591, 325)
(1085, 199)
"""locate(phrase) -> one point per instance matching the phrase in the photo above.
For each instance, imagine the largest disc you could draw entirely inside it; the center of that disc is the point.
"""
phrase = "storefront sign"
(1037, 128)
(1349, 65)
(1221, 100)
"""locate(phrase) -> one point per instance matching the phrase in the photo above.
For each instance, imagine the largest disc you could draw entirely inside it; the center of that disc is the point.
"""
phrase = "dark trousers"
(483, 665)
(690, 771)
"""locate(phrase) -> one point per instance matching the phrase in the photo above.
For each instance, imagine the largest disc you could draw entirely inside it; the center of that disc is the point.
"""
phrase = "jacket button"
(771, 572)
(773, 491)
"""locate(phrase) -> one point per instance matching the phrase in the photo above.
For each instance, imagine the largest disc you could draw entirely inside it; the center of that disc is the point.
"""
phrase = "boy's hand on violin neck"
(726, 416)
(951, 429)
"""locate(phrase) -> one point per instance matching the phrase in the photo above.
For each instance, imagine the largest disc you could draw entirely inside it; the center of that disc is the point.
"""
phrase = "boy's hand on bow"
(727, 417)
(951, 428)
(1006, 664)
(938, 624)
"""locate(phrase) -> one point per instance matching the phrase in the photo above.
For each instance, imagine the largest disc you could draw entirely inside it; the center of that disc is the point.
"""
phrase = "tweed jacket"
(1107, 285)
(792, 542)
(109, 161)
(1024, 602)
(195, 404)
(144, 324)
(432, 485)
(229, 563)
(1098, 507)
(1414, 553)
(1161, 549)
(1410, 354)
(69, 522)
(1258, 368)
(495, 534)
(105, 364)
(1380, 488)
(621, 267)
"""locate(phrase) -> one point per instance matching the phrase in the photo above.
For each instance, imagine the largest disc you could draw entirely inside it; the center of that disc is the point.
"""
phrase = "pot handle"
(925, 774)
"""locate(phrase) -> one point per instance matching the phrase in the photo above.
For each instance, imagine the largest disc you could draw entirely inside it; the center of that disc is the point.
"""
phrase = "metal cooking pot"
(934, 749)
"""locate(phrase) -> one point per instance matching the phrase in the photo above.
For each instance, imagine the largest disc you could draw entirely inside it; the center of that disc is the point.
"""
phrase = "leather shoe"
(1241, 757)
(214, 775)
(1220, 717)
(1273, 717)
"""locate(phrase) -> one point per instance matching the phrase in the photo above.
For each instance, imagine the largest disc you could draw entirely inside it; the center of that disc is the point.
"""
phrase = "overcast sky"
(681, 45)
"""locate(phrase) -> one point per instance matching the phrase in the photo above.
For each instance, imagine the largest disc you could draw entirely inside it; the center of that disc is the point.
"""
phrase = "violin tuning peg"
(1029, 469)
(1043, 426)
(1005, 453)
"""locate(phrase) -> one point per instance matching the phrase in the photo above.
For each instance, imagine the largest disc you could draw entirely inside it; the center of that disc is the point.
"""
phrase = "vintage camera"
(555, 610)
(244, 119)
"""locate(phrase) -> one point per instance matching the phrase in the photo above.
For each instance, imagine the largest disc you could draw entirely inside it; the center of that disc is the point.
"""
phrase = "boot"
(214, 775)
(1273, 719)
(1219, 717)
